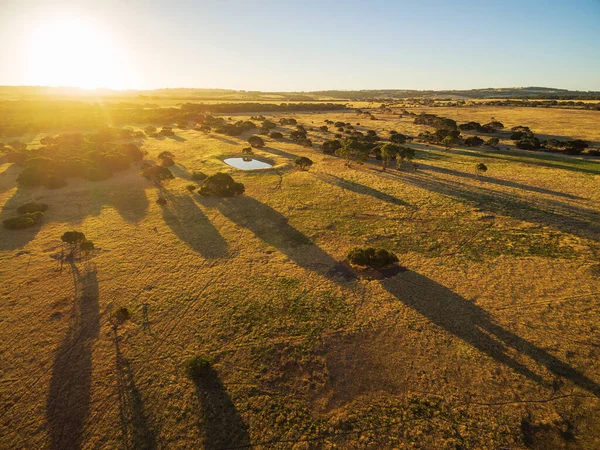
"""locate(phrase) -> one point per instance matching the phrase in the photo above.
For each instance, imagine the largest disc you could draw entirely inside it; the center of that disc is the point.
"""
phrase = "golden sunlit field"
(486, 335)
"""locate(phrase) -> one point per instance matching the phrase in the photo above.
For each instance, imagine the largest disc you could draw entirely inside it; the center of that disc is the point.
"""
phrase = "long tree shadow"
(190, 224)
(68, 402)
(135, 428)
(567, 218)
(475, 326)
(360, 188)
(73, 203)
(220, 424)
(536, 158)
(278, 152)
(273, 228)
(487, 179)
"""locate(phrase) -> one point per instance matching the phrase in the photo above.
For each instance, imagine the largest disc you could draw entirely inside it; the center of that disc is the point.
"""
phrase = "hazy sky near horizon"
(301, 45)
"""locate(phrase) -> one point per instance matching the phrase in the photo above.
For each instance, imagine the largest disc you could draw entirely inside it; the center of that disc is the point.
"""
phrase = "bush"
(256, 141)
(32, 207)
(157, 174)
(167, 131)
(276, 135)
(161, 201)
(191, 187)
(529, 142)
(480, 168)
(375, 258)
(329, 147)
(73, 237)
(166, 162)
(221, 185)
(303, 162)
(473, 141)
(122, 314)
(25, 221)
(198, 367)
(247, 151)
(492, 142)
(323, 128)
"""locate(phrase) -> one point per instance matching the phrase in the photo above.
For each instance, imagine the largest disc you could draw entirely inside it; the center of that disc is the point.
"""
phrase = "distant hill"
(195, 94)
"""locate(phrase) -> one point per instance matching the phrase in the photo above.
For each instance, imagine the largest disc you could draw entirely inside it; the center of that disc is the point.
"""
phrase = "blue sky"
(302, 45)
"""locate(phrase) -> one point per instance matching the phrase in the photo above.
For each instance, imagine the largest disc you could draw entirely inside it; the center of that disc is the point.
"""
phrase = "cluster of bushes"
(331, 146)
(24, 116)
(30, 214)
(221, 185)
(221, 126)
(375, 258)
(92, 157)
(491, 127)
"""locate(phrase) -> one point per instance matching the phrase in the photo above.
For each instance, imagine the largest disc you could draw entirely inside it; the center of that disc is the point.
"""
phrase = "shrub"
(375, 258)
(397, 138)
(247, 151)
(161, 201)
(73, 238)
(197, 367)
(276, 135)
(329, 147)
(338, 136)
(191, 187)
(529, 142)
(492, 142)
(32, 207)
(157, 174)
(256, 141)
(86, 246)
(25, 221)
(323, 128)
(480, 168)
(122, 314)
(222, 185)
(166, 131)
(150, 130)
(305, 142)
(303, 162)
(473, 141)
(132, 151)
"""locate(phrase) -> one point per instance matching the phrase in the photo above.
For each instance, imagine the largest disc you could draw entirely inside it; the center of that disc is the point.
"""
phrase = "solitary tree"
(256, 141)
(388, 153)
(480, 169)
(73, 239)
(303, 162)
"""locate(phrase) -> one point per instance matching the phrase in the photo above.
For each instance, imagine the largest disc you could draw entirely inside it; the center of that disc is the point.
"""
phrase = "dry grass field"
(488, 336)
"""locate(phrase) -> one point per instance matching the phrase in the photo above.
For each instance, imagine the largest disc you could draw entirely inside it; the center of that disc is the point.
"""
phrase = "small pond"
(247, 163)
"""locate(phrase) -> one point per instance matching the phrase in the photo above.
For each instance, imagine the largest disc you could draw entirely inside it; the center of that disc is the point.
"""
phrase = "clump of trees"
(374, 258)
(157, 174)
(25, 220)
(353, 150)
(303, 162)
(221, 185)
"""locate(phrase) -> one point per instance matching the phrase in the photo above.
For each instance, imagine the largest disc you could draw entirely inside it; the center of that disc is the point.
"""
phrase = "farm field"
(493, 311)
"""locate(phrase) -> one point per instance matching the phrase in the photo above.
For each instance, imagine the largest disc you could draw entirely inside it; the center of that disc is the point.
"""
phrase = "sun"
(72, 52)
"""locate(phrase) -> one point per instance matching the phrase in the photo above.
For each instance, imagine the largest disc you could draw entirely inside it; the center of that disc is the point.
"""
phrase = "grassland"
(488, 339)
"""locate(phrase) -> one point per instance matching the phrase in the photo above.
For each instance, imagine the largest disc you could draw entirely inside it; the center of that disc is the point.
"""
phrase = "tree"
(329, 147)
(388, 153)
(221, 185)
(87, 247)
(492, 142)
(256, 141)
(157, 174)
(449, 142)
(353, 150)
(375, 258)
(397, 138)
(473, 141)
(323, 128)
(480, 169)
(405, 153)
(73, 239)
(303, 162)
(276, 135)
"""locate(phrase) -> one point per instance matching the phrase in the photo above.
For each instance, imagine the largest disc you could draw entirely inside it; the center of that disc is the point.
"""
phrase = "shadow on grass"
(487, 179)
(75, 202)
(221, 425)
(190, 224)
(359, 188)
(135, 428)
(273, 228)
(68, 402)
(476, 327)
(278, 152)
(535, 158)
(567, 218)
